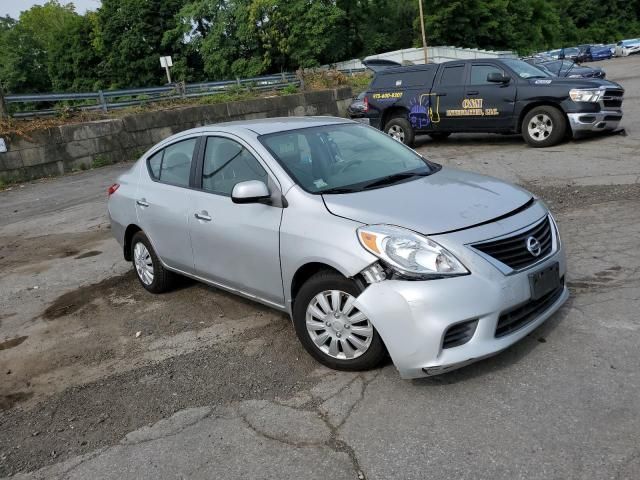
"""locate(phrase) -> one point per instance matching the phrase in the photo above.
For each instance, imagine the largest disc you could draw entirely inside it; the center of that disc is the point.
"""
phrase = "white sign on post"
(166, 62)
(3, 146)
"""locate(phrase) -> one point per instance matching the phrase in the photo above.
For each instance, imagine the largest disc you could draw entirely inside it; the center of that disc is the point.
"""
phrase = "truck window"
(416, 78)
(453, 75)
(479, 74)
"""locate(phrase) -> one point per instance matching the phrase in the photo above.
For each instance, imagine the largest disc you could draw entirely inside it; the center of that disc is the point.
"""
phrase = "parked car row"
(593, 52)
(566, 68)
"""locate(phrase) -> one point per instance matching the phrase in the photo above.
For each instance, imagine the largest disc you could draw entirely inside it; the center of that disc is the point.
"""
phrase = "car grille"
(613, 98)
(459, 334)
(512, 251)
(521, 316)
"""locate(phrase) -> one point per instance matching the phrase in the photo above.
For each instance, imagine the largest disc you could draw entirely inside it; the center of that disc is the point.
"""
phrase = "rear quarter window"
(416, 78)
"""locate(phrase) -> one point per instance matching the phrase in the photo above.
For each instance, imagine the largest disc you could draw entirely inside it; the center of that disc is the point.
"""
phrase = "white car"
(628, 47)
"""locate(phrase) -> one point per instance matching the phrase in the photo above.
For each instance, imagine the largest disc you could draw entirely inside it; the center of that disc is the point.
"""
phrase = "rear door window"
(452, 75)
(173, 164)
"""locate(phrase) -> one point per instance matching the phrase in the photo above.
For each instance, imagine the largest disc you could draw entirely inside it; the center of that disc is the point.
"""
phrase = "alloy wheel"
(396, 132)
(144, 263)
(337, 327)
(540, 127)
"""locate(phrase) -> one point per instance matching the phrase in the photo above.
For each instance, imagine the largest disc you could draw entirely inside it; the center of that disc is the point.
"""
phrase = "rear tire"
(400, 129)
(544, 126)
(439, 136)
(335, 334)
(148, 267)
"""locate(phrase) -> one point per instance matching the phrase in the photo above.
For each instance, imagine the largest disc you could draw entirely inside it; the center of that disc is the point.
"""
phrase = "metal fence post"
(4, 112)
(103, 102)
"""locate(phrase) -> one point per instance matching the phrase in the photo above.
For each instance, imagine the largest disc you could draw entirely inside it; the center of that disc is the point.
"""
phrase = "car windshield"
(523, 69)
(344, 158)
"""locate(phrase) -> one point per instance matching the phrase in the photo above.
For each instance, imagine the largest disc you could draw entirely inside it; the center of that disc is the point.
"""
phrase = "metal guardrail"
(106, 100)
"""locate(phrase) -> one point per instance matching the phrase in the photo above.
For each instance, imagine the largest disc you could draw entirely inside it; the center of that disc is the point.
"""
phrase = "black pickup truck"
(489, 95)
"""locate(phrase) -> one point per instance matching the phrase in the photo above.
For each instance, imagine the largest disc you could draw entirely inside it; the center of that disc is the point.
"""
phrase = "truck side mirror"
(495, 77)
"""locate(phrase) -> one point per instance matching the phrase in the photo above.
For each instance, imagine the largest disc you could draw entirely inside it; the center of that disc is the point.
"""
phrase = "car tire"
(400, 128)
(544, 126)
(351, 342)
(439, 136)
(148, 267)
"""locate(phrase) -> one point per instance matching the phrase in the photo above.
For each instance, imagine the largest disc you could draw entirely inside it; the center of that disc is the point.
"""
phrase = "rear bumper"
(594, 122)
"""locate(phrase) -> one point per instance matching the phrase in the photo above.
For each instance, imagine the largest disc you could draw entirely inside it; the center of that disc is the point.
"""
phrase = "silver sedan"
(369, 247)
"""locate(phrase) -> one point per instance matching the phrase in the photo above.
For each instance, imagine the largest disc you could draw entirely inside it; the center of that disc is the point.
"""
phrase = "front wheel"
(331, 328)
(544, 126)
(400, 129)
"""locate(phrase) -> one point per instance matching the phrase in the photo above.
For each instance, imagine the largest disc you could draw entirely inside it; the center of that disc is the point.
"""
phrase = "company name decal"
(472, 107)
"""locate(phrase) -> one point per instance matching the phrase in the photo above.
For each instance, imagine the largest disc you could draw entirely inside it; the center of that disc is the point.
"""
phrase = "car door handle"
(472, 92)
(142, 202)
(204, 216)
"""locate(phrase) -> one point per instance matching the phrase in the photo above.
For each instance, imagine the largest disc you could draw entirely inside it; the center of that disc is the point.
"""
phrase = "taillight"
(366, 104)
(112, 189)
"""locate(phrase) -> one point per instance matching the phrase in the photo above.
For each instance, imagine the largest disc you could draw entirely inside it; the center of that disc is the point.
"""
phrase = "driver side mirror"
(251, 191)
(495, 77)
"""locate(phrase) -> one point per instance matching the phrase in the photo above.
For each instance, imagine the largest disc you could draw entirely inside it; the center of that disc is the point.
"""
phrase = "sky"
(14, 7)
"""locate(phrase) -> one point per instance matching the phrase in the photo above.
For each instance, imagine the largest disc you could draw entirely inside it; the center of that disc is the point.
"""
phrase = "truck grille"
(613, 98)
(516, 318)
(513, 252)
(459, 334)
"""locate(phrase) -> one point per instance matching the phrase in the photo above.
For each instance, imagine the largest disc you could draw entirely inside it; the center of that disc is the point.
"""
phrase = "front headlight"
(409, 254)
(586, 94)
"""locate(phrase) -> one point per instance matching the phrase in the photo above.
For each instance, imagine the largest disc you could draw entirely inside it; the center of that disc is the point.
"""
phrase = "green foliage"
(100, 161)
(289, 89)
(52, 47)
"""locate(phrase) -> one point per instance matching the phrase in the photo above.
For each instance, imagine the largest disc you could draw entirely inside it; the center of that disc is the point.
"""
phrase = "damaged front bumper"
(415, 318)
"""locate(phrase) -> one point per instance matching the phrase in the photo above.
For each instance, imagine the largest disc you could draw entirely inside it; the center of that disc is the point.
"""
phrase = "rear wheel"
(400, 129)
(148, 267)
(544, 126)
(331, 328)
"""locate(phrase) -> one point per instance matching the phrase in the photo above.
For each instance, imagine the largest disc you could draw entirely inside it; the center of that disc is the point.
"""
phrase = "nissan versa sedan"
(369, 247)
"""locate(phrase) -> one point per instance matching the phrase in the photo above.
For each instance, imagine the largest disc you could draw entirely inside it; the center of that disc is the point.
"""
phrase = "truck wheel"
(544, 126)
(331, 329)
(400, 129)
(439, 136)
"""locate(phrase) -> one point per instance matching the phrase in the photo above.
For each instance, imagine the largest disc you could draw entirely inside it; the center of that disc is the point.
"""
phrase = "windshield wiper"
(339, 190)
(396, 177)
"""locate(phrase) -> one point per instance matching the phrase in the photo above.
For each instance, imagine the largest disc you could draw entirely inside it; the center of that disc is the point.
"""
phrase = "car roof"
(265, 126)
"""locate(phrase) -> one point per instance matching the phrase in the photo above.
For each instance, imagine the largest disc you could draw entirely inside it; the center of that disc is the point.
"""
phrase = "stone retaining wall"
(56, 150)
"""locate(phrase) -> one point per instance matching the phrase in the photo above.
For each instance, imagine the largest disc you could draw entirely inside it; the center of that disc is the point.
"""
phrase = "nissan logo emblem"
(534, 247)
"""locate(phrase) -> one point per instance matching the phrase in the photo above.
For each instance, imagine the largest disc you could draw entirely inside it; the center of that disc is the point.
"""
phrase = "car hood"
(444, 201)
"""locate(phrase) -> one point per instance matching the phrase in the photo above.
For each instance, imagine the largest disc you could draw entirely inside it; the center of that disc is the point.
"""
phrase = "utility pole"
(424, 36)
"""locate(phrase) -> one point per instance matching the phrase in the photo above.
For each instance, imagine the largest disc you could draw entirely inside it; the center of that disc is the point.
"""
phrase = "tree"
(129, 39)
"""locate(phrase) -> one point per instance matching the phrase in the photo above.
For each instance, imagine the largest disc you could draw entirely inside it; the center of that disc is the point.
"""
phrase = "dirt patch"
(14, 342)
(99, 414)
(17, 251)
(92, 253)
(610, 277)
(569, 197)
(73, 301)
(8, 401)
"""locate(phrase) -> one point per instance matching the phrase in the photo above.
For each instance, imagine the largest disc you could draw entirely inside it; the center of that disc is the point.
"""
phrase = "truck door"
(489, 105)
(446, 97)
